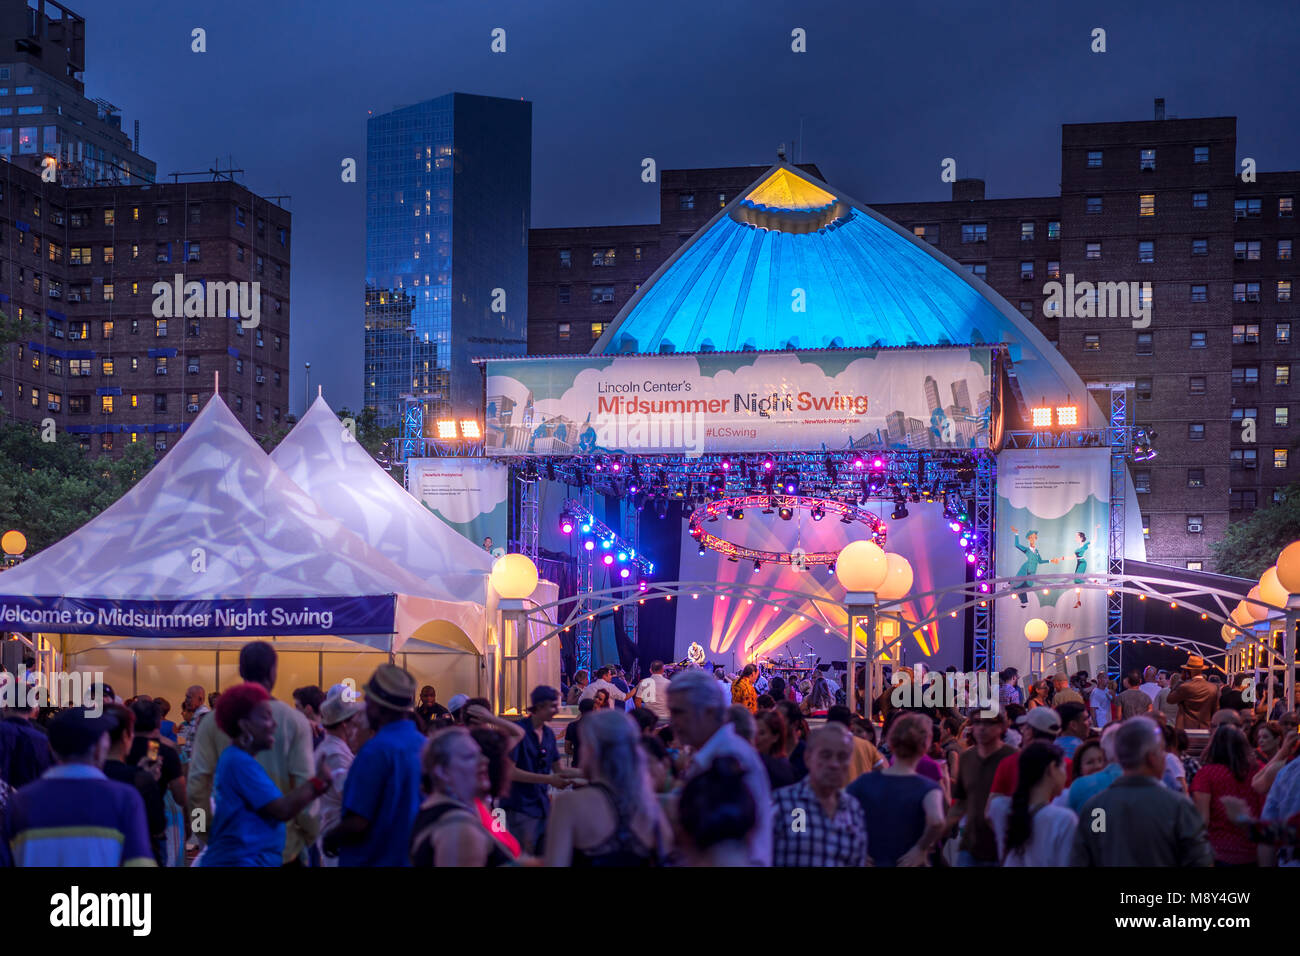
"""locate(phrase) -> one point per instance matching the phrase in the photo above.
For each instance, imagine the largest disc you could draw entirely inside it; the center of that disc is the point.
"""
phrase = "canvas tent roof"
(323, 459)
(216, 541)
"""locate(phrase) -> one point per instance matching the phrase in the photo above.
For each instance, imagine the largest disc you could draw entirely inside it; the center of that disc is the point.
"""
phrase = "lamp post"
(1036, 633)
(1288, 575)
(13, 544)
(861, 567)
(514, 578)
(306, 389)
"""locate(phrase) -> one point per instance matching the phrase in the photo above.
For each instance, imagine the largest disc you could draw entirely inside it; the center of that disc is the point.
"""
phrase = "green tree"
(1251, 545)
(51, 489)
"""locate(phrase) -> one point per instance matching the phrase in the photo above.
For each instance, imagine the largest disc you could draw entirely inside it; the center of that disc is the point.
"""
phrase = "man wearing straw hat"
(1196, 697)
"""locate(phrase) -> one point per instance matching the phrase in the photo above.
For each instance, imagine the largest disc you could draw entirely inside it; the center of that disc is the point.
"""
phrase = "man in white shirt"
(602, 683)
(1150, 686)
(1099, 701)
(696, 712)
(652, 692)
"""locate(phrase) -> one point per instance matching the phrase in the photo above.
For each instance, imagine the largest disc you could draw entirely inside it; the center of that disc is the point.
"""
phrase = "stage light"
(818, 512)
(846, 518)
(900, 511)
(608, 559)
(740, 513)
(589, 545)
(622, 556)
(758, 566)
(607, 543)
(641, 586)
(768, 463)
(566, 523)
(878, 463)
(1042, 417)
(954, 525)
(615, 467)
(702, 550)
(831, 567)
(771, 506)
(446, 429)
(469, 429)
(731, 511)
(623, 572)
(970, 557)
(785, 512)
(726, 464)
(661, 508)
(859, 463)
(688, 508)
(1067, 414)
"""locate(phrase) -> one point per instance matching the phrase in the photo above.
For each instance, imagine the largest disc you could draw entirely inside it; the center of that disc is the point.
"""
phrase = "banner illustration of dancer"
(1032, 561)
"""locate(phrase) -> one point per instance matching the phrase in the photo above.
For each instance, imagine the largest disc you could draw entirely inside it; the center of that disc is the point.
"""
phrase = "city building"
(448, 190)
(105, 355)
(43, 107)
(1190, 272)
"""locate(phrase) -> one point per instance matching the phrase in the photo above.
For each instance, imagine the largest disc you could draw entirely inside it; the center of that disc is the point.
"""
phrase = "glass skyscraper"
(448, 190)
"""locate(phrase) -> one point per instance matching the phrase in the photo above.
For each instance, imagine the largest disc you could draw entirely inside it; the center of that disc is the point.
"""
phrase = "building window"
(602, 293)
(1200, 247)
(1092, 250)
(686, 200)
(1093, 205)
(1279, 496)
(1245, 251)
(1245, 375)
(636, 254)
(1245, 335)
(1245, 209)
(566, 258)
(1284, 290)
(1027, 308)
(1282, 416)
(1284, 250)
(239, 366)
(979, 269)
(597, 329)
(1054, 229)
(1147, 159)
(564, 331)
(1026, 231)
(1146, 527)
(1094, 159)
(261, 267)
(1142, 482)
(160, 328)
(1145, 343)
(106, 367)
(563, 294)
(1283, 335)
(1147, 204)
(1053, 269)
(1195, 523)
(1196, 431)
(974, 232)
(1146, 251)
(191, 252)
(1282, 375)
(1279, 457)
(1242, 500)
(1198, 293)
(106, 329)
(1200, 200)
(1245, 292)
(1026, 271)
(108, 291)
(1195, 477)
(1092, 342)
(1243, 459)
(1142, 389)
(603, 257)
(1200, 154)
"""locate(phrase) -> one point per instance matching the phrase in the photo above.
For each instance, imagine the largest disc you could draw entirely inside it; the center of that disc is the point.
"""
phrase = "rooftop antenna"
(780, 152)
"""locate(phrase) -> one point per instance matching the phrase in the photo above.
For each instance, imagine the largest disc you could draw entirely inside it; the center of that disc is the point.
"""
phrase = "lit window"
(1092, 342)
(1198, 293)
(1282, 416)
(1279, 457)
(1200, 154)
(974, 232)
(1145, 343)
(1284, 290)
(1054, 229)
(1195, 477)
(564, 331)
(1093, 205)
(1147, 204)
(1193, 565)
(1093, 250)
(1094, 159)
(1284, 249)
(1053, 269)
(1026, 270)
(1200, 200)
(1146, 251)
(1246, 209)
(1286, 207)
(1199, 339)
(1147, 159)
(1283, 332)
(1142, 482)
(1282, 375)
(1196, 431)
(1026, 231)
(686, 200)
(1195, 523)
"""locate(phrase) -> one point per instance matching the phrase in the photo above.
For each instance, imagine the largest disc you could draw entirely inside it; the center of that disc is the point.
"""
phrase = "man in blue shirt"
(528, 805)
(382, 794)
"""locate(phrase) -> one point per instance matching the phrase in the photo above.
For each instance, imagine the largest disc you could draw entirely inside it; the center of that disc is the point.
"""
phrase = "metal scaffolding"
(1117, 437)
(586, 565)
(984, 646)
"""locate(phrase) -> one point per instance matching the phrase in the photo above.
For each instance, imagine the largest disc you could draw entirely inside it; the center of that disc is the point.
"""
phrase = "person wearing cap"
(288, 761)
(1042, 724)
(248, 828)
(74, 815)
(537, 766)
(1196, 698)
(381, 796)
(341, 717)
(456, 707)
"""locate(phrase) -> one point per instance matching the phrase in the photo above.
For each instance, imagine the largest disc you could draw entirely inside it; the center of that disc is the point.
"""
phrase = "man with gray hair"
(817, 822)
(1136, 821)
(697, 715)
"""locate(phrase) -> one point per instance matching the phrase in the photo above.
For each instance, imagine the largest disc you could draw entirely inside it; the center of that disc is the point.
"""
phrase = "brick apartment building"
(77, 270)
(1159, 202)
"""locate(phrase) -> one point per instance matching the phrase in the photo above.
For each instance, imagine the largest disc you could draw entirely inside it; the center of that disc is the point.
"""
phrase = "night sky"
(884, 93)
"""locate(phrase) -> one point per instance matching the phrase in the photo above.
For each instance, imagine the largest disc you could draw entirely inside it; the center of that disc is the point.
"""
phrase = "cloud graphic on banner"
(464, 491)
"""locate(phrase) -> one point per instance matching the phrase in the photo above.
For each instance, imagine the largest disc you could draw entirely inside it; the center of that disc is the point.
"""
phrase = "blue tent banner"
(261, 617)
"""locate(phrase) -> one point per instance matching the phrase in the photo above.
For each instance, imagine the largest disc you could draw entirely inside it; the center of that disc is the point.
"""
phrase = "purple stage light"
(858, 463)
(608, 559)
(623, 572)
(589, 545)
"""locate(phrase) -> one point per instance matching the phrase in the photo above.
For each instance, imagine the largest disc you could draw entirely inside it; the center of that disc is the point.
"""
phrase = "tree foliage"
(50, 489)
(1251, 545)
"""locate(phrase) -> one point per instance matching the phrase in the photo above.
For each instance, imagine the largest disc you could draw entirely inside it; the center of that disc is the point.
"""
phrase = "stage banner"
(934, 398)
(1052, 518)
(467, 493)
(254, 617)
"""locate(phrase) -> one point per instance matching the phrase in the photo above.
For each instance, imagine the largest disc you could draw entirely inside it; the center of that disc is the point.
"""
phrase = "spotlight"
(731, 511)
(846, 518)
(768, 463)
(758, 565)
(608, 559)
(661, 508)
(859, 463)
(702, 550)
(818, 512)
(607, 544)
(740, 513)
(640, 585)
(615, 467)
(726, 464)
(623, 572)
(785, 512)
(589, 545)
(831, 567)
(771, 506)
(566, 522)
(878, 464)
(791, 482)
(900, 509)
(622, 556)
(970, 557)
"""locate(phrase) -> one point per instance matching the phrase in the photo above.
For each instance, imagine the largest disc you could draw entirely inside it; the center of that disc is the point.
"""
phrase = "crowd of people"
(700, 768)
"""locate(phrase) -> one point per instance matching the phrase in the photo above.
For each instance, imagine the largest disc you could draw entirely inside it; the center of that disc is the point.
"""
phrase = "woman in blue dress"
(1081, 562)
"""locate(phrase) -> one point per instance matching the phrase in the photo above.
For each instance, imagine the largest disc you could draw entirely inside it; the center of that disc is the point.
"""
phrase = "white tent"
(216, 546)
(322, 457)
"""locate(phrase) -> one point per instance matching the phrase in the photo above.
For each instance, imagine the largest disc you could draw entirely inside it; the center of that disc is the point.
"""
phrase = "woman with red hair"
(250, 812)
